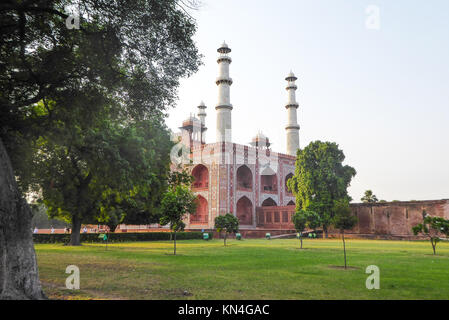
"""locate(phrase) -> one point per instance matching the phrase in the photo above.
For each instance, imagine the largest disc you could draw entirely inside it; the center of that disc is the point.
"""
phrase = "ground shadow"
(343, 267)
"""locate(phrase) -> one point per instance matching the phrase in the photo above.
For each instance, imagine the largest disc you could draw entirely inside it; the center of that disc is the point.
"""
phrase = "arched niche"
(244, 178)
(201, 177)
(269, 202)
(201, 215)
(245, 211)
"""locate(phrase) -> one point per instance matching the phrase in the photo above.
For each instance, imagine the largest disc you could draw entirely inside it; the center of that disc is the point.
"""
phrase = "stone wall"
(394, 219)
(390, 220)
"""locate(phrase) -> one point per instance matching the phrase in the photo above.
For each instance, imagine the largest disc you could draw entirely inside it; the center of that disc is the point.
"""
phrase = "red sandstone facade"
(237, 179)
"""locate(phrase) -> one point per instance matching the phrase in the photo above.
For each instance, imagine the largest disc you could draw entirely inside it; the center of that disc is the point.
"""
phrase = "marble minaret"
(224, 106)
(202, 116)
(292, 127)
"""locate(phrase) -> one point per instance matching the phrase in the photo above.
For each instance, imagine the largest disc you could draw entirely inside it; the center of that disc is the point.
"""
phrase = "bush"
(117, 237)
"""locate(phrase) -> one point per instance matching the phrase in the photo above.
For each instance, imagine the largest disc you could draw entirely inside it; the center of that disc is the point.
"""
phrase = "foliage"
(144, 48)
(79, 99)
(180, 177)
(300, 220)
(110, 174)
(303, 219)
(343, 218)
(41, 221)
(227, 223)
(320, 178)
(115, 237)
(369, 197)
(176, 203)
(313, 220)
(433, 228)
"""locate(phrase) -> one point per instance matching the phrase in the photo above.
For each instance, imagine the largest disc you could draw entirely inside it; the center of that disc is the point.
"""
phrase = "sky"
(377, 85)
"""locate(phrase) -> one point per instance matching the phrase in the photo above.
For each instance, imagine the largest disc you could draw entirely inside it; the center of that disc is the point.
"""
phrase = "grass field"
(248, 269)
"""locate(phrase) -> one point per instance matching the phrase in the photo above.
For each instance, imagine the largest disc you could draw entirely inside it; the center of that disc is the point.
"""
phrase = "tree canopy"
(320, 178)
(125, 61)
(109, 174)
(227, 223)
(369, 197)
(176, 203)
(433, 228)
(303, 219)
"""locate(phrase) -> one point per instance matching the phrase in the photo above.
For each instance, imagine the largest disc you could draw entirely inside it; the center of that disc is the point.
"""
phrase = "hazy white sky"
(382, 95)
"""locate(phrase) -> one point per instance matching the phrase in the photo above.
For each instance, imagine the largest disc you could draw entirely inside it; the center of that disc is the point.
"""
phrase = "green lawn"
(248, 269)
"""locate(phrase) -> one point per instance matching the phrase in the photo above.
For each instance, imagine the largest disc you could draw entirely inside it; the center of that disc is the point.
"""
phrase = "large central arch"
(245, 211)
(244, 178)
(201, 177)
(202, 212)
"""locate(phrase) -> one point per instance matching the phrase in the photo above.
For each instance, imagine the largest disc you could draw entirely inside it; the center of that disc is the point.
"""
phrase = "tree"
(343, 220)
(369, 197)
(176, 203)
(303, 219)
(109, 174)
(433, 228)
(227, 223)
(300, 222)
(124, 61)
(320, 179)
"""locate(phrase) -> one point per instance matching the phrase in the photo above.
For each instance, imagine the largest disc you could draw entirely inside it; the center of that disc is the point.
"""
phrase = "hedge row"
(118, 237)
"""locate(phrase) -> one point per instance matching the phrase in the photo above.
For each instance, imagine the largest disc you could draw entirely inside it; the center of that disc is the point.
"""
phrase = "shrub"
(117, 237)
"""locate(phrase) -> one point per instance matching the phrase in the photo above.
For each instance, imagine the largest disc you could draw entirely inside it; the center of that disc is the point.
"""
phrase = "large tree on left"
(123, 63)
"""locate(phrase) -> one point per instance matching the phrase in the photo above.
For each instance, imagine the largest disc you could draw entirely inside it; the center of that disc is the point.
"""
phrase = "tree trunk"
(225, 238)
(174, 248)
(434, 244)
(301, 240)
(325, 233)
(76, 229)
(344, 245)
(19, 276)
